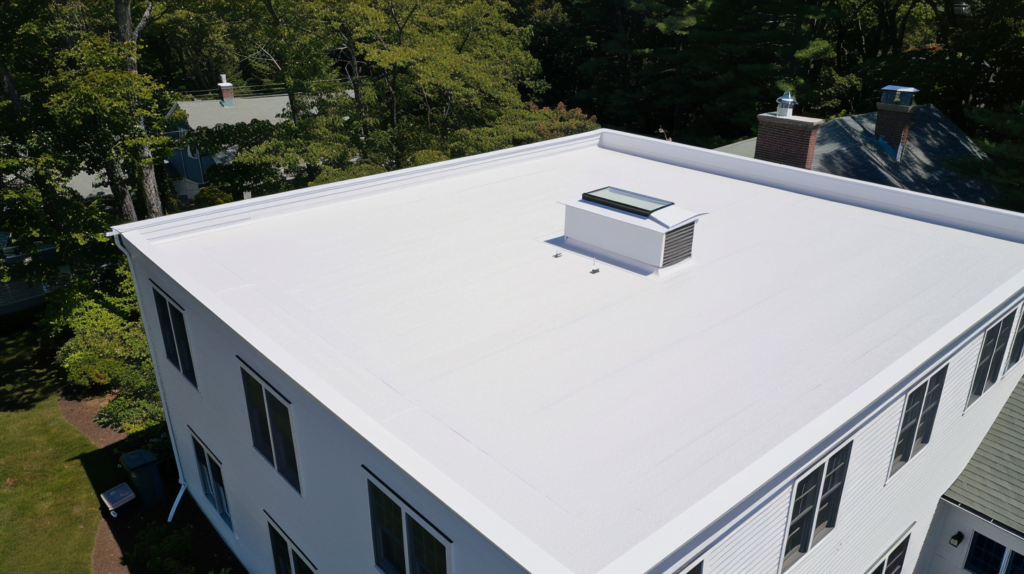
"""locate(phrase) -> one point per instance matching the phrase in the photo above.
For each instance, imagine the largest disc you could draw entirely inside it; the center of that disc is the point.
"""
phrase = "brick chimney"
(227, 92)
(895, 111)
(785, 138)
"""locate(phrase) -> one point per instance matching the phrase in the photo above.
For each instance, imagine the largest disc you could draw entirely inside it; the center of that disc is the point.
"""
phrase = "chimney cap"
(787, 99)
(898, 95)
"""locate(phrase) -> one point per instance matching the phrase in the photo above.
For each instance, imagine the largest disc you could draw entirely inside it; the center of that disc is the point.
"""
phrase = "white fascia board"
(746, 489)
(507, 538)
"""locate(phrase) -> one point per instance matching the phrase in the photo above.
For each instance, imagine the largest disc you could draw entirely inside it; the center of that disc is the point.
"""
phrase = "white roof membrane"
(589, 410)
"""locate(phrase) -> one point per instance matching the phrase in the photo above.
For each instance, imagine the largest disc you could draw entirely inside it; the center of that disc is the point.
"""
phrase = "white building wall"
(876, 510)
(330, 519)
(941, 557)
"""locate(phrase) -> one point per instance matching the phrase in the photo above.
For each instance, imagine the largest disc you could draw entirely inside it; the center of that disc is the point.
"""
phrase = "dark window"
(985, 556)
(426, 553)
(802, 519)
(172, 330)
(831, 492)
(894, 562)
(698, 569)
(212, 480)
(282, 562)
(816, 505)
(386, 519)
(165, 328)
(181, 339)
(918, 419)
(990, 361)
(1018, 345)
(284, 444)
(287, 558)
(1016, 565)
(271, 428)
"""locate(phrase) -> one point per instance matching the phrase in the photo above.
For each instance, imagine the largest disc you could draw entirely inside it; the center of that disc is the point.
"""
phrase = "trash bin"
(144, 476)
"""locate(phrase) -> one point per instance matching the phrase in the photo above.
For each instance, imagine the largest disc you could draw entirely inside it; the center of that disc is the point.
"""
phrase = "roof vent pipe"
(786, 104)
(227, 92)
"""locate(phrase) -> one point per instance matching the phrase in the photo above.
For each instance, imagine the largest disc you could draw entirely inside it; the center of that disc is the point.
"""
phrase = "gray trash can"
(144, 476)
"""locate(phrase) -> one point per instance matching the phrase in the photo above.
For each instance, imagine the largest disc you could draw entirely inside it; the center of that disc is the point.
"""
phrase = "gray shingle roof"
(846, 147)
(209, 113)
(993, 481)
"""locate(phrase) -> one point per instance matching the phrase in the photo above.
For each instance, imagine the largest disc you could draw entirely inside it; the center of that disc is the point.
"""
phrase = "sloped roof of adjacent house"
(209, 113)
(846, 147)
(993, 481)
(593, 423)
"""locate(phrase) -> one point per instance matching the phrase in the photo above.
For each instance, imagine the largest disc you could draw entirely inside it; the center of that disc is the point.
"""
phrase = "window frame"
(1013, 348)
(973, 398)
(169, 327)
(820, 465)
(883, 566)
(269, 389)
(912, 450)
(408, 513)
(294, 552)
(1002, 561)
(207, 481)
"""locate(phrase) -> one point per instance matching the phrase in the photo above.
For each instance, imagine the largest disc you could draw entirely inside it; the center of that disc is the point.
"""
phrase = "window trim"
(267, 387)
(407, 512)
(822, 464)
(925, 383)
(1003, 368)
(194, 381)
(1017, 333)
(967, 555)
(885, 555)
(209, 453)
(292, 546)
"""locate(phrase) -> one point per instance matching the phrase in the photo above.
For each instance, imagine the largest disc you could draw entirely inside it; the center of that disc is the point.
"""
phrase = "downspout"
(163, 401)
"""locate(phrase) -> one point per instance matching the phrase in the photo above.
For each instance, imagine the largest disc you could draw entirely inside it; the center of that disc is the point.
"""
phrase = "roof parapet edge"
(980, 219)
(289, 201)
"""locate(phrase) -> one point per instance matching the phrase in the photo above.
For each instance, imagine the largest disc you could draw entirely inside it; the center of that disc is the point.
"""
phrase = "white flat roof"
(588, 411)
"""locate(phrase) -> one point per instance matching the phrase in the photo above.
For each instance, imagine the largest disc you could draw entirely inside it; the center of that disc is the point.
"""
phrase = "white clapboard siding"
(876, 510)
(329, 521)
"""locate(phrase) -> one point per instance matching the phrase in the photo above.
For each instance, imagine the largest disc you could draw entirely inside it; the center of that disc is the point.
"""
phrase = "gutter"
(119, 241)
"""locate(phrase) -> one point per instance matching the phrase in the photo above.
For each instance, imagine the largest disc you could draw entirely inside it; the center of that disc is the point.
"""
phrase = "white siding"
(876, 509)
(329, 520)
(940, 557)
(753, 547)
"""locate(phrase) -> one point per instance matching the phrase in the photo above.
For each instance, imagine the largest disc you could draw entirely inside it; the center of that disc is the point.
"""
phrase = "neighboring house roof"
(209, 113)
(589, 414)
(84, 184)
(846, 147)
(993, 481)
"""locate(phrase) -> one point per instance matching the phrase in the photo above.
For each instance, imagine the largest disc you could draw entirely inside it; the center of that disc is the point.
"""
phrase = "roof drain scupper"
(648, 232)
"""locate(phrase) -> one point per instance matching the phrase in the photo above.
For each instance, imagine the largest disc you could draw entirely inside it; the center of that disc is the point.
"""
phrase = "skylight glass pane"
(626, 200)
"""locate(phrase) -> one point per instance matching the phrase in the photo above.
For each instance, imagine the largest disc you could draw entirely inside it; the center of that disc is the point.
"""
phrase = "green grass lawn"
(48, 509)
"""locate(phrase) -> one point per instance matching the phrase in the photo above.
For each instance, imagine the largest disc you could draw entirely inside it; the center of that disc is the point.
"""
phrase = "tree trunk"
(116, 178)
(129, 32)
(10, 90)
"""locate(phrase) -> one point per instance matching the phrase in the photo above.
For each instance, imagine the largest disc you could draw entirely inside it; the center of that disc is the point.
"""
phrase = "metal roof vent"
(654, 232)
(786, 104)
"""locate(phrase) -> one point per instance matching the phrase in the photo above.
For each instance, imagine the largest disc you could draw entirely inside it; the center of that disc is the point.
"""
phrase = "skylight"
(626, 200)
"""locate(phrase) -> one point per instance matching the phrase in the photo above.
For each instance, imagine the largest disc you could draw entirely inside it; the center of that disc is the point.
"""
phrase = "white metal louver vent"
(651, 231)
(678, 244)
